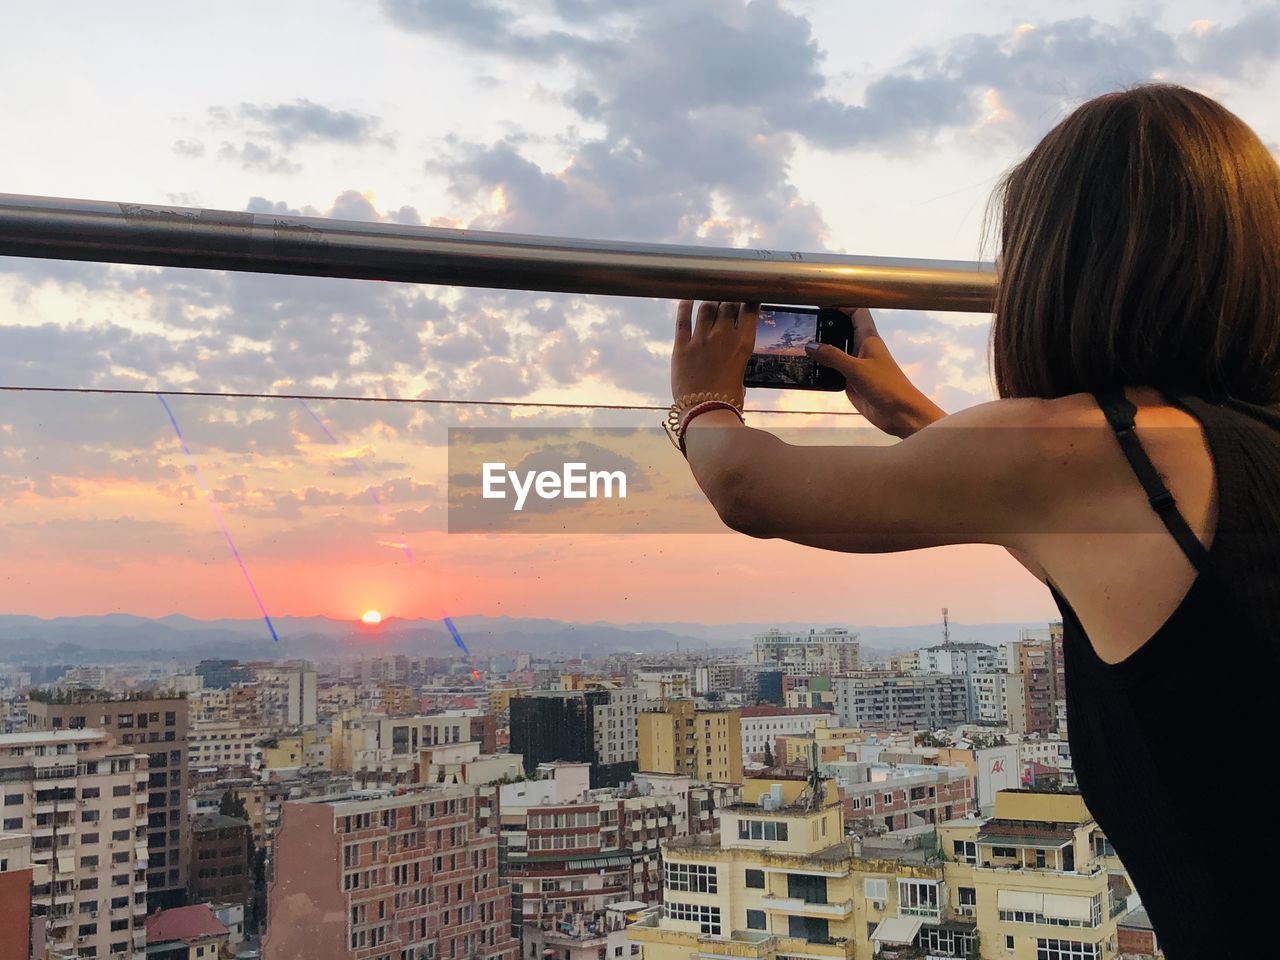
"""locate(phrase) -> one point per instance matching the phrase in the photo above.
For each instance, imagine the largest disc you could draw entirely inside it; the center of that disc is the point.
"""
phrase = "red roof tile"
(183, 923)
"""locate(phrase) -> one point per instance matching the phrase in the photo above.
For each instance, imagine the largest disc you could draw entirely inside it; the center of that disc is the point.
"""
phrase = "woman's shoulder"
(1076, 410)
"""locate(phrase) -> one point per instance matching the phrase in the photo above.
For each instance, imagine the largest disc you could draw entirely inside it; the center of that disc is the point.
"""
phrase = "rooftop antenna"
(946, 627)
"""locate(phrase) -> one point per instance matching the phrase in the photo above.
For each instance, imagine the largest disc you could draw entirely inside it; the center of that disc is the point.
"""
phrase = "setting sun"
(372, 616)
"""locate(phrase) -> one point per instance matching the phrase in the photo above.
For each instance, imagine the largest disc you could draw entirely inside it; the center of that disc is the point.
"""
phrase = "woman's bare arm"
(990, 474)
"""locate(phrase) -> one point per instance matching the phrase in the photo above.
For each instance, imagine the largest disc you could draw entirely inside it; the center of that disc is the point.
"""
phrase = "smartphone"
(779, 360)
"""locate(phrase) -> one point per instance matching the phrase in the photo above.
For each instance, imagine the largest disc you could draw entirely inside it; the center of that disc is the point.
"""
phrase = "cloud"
(258, 158)
(188, 148)
(303, 121)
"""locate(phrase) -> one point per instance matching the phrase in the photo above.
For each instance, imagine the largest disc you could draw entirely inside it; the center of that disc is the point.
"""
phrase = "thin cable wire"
(231, 394)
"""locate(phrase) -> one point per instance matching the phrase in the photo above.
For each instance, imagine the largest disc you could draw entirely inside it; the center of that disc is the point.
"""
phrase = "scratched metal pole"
(61, 229)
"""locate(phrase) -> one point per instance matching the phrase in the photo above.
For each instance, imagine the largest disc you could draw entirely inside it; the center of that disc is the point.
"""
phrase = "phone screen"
(779, 359)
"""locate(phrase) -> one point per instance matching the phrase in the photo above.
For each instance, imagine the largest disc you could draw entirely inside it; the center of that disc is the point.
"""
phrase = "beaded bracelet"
(692, 405)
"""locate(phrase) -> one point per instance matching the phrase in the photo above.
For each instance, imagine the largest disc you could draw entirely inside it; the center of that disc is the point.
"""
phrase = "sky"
(875, 129)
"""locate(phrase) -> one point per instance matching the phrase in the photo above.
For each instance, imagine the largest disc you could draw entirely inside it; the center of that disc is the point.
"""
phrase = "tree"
(232, 805)
(768, 754)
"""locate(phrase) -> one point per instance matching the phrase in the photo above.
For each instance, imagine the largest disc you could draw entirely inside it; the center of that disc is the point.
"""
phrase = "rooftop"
(87, 735)
(771, 711)
(188, 924)
(1136, 919)
(216, 821)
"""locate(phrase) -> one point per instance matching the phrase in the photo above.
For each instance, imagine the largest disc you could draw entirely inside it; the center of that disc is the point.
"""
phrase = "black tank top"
(1171, 745)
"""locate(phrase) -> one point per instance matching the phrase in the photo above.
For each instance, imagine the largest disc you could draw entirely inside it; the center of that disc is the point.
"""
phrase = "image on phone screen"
(779, 358)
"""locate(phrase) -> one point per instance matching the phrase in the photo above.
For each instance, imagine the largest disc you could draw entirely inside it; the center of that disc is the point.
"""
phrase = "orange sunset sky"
(871, 132)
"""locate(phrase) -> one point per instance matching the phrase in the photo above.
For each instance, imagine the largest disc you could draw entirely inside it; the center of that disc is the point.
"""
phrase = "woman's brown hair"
(1141, 247)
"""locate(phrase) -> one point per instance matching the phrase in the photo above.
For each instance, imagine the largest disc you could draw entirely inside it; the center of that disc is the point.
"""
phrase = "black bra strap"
(1120, 413)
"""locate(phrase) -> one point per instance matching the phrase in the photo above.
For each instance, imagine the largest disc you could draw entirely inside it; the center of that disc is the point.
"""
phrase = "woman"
(1139, 278)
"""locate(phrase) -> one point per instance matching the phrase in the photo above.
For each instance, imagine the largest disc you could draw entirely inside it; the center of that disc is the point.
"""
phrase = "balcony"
(793, 905)
(832, 949)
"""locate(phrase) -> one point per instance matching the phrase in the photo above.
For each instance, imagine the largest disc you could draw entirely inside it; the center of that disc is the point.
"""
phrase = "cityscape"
(799, 795)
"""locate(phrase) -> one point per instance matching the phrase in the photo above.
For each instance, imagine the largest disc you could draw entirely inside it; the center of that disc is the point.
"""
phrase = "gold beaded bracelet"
(676, 424)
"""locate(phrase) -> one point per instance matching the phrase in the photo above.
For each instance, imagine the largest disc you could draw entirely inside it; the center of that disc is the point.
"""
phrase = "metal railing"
(150, 234)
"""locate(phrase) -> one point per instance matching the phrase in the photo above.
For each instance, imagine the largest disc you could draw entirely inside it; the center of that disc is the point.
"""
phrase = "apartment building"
(596, 724)
(780, 880)
(155, 724)
(683, 740)
(764, 724)
(381, 875)
(886, 797)
(829, 651)
(996, 696)
(223, 746)
(287, 695)
(1036, 877)
(887, 701)
(220, 869)
(80, 799)
(663, 685)
(17, 877)
(221, 674)
(576, 856)
(966, 660)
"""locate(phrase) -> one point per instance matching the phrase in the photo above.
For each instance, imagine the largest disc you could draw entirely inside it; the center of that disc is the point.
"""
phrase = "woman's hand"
(712, 356)
(874, 383)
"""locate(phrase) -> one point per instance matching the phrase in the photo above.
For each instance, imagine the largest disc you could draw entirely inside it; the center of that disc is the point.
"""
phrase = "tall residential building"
(598, 726)
(885, 701)
(994, 696)
(157, 725)
(220, 868)
(833, 650)
(1035, 665)
(81, 800)
(16, 880)
(287, 695)
(966, 660)
(685, 741)
(375, 875)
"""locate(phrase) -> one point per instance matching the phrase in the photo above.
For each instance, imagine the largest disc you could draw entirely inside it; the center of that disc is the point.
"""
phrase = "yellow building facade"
(680, 739)
(1036, 877)
(781, 881)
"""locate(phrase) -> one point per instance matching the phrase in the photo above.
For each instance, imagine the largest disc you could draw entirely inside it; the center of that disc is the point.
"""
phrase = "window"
(918, 898)
(1067, 950)
(755, 879)
(761, 830)
(875, 889)
(1008, 943)
(808, 928)
(692, 877)
(966, 851)
(707, 917)
(755, 920)
(1004, 851)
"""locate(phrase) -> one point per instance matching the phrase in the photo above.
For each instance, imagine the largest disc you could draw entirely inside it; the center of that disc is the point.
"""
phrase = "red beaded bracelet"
(678, 419)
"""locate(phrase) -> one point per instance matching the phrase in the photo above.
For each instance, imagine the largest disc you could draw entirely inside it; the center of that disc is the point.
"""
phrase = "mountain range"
(121, 638)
